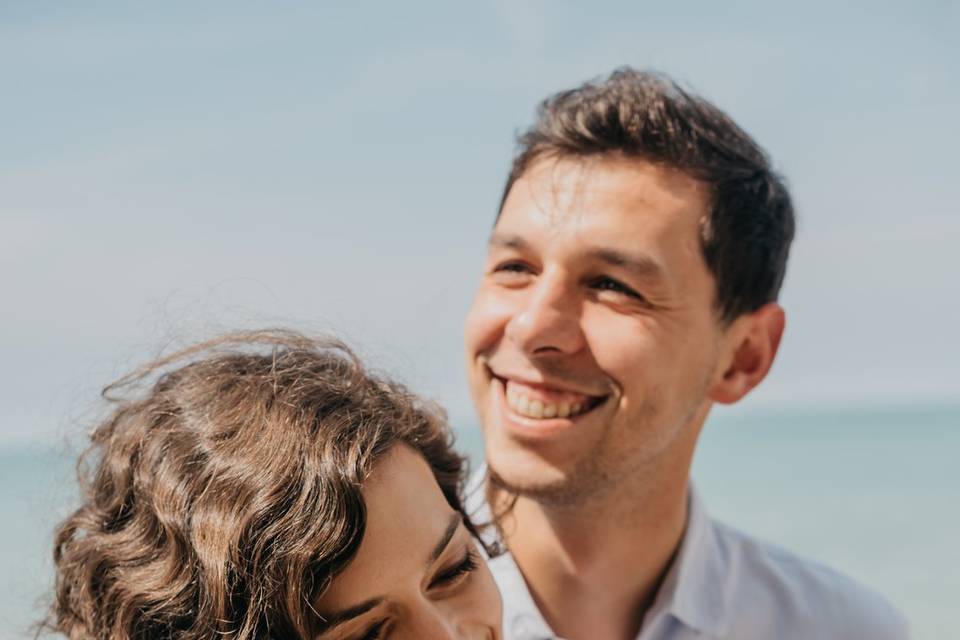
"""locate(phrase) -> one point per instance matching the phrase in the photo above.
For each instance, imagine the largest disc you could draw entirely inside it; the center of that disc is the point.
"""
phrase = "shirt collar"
(696, 590)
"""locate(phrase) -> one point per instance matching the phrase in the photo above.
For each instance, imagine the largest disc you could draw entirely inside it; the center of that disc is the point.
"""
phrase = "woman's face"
(417, 573)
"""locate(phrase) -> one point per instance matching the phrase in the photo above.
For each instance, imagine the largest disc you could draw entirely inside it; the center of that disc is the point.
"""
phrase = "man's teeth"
(528, 408)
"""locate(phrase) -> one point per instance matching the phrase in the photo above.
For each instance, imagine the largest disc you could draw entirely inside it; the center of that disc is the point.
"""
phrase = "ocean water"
(873, 493)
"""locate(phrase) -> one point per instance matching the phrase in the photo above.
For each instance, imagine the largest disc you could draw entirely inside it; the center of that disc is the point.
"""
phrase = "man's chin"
(520, 472)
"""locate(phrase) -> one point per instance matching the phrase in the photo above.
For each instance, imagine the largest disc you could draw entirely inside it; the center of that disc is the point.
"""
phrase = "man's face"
(593, 336)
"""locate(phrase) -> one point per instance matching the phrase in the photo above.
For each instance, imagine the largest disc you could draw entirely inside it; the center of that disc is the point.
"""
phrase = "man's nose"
(548, 318)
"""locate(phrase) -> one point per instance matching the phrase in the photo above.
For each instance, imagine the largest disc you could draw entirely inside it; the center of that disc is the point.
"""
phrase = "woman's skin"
(417, 573)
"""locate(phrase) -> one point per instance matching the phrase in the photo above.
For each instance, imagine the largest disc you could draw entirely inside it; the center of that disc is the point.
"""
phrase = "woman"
(265, 485)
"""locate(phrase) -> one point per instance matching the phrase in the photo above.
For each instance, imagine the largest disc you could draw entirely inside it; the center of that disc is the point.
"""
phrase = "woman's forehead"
(407, 515)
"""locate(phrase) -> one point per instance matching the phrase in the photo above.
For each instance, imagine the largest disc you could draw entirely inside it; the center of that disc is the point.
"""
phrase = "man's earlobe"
(751, 356)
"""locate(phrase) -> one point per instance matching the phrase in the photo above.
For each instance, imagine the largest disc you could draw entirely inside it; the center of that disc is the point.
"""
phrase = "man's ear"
(753, 342)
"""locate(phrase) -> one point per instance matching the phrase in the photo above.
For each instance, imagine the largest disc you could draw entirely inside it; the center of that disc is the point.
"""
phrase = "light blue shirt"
(726, 585)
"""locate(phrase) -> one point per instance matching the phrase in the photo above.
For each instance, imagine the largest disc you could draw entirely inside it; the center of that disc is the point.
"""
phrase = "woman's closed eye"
(447, 578)
(458, 572)
(376, 632)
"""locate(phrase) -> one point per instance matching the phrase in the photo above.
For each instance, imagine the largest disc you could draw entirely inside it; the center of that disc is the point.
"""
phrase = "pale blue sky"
(172, 168)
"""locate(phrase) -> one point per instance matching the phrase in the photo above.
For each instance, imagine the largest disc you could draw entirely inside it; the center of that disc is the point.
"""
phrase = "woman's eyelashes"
(375, 632)
(453, 575)
(449, 577)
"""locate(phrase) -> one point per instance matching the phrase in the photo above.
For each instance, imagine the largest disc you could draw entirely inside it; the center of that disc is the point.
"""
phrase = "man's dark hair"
(747, 233)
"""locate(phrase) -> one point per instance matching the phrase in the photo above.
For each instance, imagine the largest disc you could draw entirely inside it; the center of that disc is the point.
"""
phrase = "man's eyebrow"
(444, 540)
(507, 241)
(640, 265)
(339, 617)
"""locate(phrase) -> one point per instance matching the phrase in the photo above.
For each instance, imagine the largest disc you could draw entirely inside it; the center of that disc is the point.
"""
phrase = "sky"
(170, 170)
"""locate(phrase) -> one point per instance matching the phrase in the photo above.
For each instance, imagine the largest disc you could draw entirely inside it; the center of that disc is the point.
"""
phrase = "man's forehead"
(565, 192)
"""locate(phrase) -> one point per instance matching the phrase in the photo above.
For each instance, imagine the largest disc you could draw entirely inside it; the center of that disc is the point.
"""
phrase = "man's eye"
(609, 284)
(453, 574)
(511, 267)
(510, 274)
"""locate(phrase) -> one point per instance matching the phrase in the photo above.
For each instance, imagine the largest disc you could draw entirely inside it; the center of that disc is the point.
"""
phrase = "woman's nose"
(438, 627)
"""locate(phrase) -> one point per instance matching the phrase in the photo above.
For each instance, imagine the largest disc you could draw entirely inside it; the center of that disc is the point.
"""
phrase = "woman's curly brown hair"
(223, 492)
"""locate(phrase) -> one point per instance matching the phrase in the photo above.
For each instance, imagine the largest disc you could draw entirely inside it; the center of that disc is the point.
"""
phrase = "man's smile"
(539, 402)
(537, 409)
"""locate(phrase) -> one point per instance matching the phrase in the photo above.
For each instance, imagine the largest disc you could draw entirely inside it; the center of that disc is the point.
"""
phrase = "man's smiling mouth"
(544, 403)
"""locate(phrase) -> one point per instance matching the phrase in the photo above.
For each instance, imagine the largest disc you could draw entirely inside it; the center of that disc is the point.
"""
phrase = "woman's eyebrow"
(452, 526)
(339, 617)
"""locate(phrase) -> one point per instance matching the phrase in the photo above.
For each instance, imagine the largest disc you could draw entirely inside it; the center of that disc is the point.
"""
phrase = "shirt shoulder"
(789, 597)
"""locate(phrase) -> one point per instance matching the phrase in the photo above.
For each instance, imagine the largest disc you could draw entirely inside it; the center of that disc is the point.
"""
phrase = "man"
(631, 284)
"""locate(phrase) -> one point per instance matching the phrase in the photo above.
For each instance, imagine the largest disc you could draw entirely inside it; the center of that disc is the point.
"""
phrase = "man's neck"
(594, 568)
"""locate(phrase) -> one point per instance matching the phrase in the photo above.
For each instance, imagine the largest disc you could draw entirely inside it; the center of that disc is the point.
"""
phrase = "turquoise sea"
(874, 493)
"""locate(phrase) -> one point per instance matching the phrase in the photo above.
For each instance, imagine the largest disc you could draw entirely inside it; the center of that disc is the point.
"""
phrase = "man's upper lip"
(543, 382)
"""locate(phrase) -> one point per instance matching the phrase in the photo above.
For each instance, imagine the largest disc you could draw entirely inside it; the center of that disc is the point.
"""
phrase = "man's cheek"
(485, 323)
